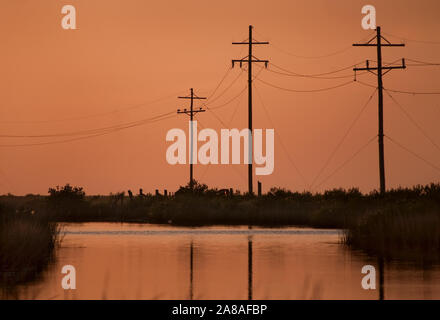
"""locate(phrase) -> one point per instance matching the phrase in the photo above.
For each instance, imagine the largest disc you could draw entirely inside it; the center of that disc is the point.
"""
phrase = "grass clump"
(27, 246)
(408, 232)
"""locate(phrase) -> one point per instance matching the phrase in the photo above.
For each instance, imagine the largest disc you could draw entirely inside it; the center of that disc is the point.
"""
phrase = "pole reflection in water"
(130, 261)
(191, 272)
(381, 278)
(250, 268)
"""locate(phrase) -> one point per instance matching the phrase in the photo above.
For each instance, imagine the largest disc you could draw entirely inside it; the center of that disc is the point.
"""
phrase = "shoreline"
(402, 224)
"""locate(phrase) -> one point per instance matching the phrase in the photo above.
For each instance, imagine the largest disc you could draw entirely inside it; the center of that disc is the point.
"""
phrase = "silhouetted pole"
(250, 59)
(250, 173)
(379, 70)
(191, 113)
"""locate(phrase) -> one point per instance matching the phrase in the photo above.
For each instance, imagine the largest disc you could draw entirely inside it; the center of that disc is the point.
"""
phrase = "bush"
(66, 193)
(66, 202)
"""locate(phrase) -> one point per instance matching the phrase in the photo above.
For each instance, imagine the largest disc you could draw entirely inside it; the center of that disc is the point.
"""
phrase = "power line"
(422, 63)
(308, 76)
(345, 49)
(316, 75)
(55, 142)
(320, 75)
(225, 104)
(334, 53)
(217, 117)
(228, 70)
(412, 40)
(220, 83)
(332, 154)
(413, 153)
(235, 111)
(281, 141)
(347, 161)
(136, 106)
(99, 131)
(313, 90)
(235, 97)
(366, 84)
(229, 101)
(207, 166)
(79, 138)
(398, 91)
(413, 92)
(413, 121)
(90, 131)
(225, 90)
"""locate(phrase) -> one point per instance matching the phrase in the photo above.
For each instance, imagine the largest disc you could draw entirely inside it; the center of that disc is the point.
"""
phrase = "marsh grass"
(402, 223)
(27, 246)
(399, 232)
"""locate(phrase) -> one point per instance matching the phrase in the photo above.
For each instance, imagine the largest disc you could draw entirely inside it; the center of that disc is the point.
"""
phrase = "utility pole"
(191, 112)
(250, 59)
(379, 74)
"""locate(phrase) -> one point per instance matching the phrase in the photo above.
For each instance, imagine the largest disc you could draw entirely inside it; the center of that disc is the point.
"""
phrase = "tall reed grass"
(408, 232)
(27, 246)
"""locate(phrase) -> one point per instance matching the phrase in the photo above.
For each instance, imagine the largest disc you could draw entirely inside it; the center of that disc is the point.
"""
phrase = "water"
(134, 261)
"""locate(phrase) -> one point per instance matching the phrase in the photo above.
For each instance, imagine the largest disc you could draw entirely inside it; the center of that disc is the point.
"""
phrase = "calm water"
(132, 261)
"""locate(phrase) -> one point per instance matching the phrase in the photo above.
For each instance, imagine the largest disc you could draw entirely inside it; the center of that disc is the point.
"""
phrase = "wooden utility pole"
(250, 59)
(379, 74)
(191, 112)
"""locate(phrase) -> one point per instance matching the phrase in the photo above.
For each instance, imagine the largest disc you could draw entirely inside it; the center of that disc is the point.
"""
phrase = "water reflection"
(191, 264)
(129, 261)
(380, 262)
(250, 268)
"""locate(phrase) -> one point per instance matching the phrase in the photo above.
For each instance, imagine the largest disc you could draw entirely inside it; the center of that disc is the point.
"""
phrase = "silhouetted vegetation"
(66, 202)
(402, 220)
(396, 231)
(27, 245)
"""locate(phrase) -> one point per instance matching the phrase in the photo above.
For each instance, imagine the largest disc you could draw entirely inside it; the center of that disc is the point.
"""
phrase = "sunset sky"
(126, 54)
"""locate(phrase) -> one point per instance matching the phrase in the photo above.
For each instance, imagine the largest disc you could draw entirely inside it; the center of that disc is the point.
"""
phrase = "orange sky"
(128, 53)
